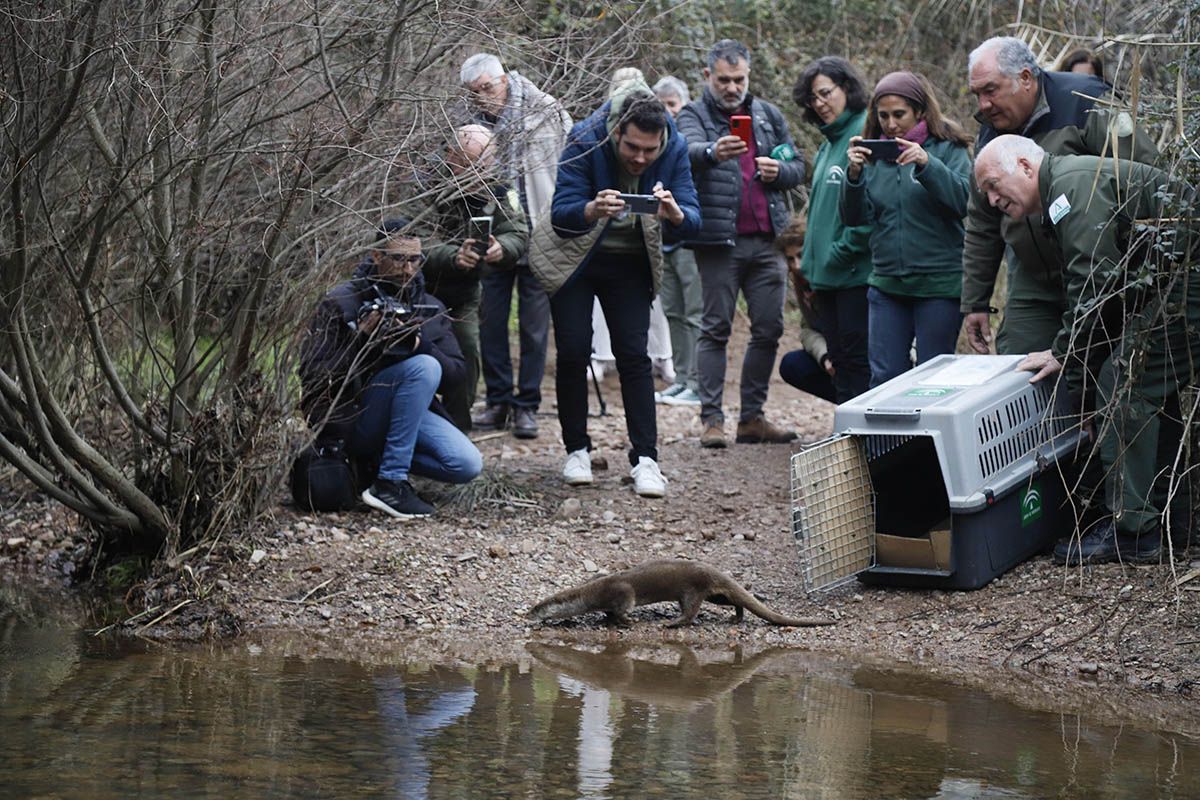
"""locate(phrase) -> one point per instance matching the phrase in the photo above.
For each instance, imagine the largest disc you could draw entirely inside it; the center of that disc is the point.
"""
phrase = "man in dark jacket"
(453, 269)
(1129, 242)
(1056, 110)
(377, 352)
(742, 191)
(594, 248)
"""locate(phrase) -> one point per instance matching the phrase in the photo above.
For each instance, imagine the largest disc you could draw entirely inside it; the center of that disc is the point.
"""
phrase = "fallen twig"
(167, 613)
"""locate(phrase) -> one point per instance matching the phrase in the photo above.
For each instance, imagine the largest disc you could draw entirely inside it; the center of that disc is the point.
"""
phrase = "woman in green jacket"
(915, 202)
(836, 258)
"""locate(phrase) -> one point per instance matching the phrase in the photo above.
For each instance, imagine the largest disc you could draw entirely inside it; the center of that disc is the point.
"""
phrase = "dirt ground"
(1121, 641)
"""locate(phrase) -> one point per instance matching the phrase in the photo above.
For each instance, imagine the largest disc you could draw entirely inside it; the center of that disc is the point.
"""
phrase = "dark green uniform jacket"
(1124, 253)
(1065, 121)
(916, 218)
(459, 288)
(835, 256)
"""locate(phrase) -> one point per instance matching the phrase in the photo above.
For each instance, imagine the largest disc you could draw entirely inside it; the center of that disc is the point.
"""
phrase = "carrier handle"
(893, 414)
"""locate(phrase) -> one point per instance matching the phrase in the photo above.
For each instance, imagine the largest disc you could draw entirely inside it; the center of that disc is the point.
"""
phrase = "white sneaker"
(647, 480)
(687, 397)
(578, 469)
(670, 391)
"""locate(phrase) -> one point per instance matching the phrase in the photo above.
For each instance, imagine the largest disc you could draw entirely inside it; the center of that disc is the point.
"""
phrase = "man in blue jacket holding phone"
(594, 247)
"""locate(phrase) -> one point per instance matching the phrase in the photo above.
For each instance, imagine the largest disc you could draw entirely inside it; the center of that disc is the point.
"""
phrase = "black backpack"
(324, 477)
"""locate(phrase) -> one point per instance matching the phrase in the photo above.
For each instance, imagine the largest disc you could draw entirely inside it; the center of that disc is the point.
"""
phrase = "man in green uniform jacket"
(1129, 242)
(1059, 111)
(454, 268)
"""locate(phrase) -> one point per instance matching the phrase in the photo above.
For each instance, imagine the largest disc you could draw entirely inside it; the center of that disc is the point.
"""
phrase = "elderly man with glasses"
(530, 127)
(378, 352)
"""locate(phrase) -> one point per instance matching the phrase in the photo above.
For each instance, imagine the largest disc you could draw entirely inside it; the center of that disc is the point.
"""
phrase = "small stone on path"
(257, 556)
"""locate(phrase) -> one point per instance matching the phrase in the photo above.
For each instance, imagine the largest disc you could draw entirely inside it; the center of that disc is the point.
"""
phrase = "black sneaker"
(397, 499)
(1103, 544)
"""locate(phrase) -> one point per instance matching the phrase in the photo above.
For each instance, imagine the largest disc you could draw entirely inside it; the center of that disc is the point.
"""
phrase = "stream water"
(82, 716)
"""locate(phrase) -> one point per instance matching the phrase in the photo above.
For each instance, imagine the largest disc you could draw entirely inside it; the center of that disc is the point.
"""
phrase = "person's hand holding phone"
(728, 147)
(856, 158)
(494, 251)
(668, 209)
(911, 153)
(467, 256)
(607, 203)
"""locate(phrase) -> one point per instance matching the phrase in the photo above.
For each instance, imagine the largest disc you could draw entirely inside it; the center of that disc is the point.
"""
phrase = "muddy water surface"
(86, 717)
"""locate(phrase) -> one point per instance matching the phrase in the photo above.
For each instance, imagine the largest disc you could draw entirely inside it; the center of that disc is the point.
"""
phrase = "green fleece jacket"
(459, 288)
(835, 256)
(916, 216)
(1124, 251)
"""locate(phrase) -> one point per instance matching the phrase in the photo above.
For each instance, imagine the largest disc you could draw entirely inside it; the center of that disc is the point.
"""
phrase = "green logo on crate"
(1031, 505)
(940, 392)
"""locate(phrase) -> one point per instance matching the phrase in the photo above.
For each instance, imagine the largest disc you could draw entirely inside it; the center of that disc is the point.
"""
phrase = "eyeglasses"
(401, 258)
(823, 95)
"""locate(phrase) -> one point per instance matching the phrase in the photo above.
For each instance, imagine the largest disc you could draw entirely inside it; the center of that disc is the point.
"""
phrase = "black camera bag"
(323, 477)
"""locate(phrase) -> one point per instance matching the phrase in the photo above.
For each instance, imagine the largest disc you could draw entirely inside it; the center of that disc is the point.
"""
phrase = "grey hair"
(479, 65)
(669, 85)
(1012, 56)
(1008, 148)
(730, 50)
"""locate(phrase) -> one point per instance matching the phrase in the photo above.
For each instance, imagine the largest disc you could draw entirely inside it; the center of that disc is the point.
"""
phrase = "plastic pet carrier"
(944, 477)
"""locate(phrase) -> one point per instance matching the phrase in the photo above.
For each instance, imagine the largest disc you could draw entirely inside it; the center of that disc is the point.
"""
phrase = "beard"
(732, 105)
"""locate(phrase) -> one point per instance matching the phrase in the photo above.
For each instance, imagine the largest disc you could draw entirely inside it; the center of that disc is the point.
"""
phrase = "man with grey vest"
(1059, 111)
(741, 183)
(530, 128)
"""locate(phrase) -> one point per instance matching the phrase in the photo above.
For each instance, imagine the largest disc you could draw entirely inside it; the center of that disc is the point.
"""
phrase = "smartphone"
(882, 149)
(640, 203)
(480, 229)
(739, 126)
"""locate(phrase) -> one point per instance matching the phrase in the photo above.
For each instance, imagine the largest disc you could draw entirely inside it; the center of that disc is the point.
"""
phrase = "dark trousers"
(799, 369)
(622, 284)
(533, 327)
(842, 315)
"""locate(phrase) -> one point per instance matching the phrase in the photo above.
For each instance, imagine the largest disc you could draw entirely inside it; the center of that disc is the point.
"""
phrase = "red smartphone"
(739, 126)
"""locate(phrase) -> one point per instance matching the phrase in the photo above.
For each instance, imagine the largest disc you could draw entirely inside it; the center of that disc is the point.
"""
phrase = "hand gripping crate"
(944, 477)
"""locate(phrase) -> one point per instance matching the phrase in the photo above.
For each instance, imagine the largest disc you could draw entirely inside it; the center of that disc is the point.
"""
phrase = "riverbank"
(459, 583)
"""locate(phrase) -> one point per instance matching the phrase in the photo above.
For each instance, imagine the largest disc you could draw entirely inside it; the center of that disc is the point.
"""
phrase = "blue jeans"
(533, 328)
(397, 426)
(895, 320)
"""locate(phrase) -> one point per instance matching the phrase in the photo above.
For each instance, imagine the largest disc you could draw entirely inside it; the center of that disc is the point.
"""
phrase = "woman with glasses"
(836, 259)
(915, 200)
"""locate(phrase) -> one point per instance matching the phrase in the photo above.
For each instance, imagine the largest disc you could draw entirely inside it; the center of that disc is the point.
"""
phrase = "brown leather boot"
(714, 433)
(759, 431)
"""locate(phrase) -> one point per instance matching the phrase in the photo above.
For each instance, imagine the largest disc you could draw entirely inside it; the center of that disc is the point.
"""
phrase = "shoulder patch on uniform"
(1122, 124)
(1059, 208)
(514, 201)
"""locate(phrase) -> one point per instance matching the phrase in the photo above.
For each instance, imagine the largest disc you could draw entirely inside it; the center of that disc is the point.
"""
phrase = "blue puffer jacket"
(589, 164)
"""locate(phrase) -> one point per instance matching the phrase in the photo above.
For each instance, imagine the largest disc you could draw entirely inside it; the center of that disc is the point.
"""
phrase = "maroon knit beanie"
(902, 84)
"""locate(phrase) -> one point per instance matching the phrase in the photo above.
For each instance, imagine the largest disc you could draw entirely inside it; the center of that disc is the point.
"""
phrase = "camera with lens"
(392, 310)
(398, 322)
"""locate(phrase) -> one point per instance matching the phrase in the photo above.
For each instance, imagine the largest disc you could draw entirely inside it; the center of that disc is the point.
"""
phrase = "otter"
(689, 583)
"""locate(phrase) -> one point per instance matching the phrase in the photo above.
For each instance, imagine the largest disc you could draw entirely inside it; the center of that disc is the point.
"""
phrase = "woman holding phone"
(836, 259)
(915, 198)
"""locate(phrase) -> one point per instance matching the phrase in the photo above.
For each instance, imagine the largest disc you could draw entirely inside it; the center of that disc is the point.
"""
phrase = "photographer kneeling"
(378, 351)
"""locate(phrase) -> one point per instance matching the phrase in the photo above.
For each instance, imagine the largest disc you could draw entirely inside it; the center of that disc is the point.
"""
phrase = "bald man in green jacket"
(1130, 245)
